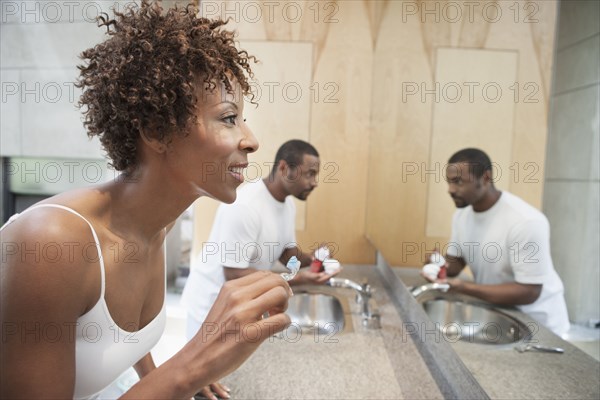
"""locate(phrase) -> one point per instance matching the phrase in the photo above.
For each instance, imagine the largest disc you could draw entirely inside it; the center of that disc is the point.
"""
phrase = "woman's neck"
(142, 205)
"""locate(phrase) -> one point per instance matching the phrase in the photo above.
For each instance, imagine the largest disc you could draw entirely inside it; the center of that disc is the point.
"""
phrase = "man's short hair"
(478, 161)
(293, 151)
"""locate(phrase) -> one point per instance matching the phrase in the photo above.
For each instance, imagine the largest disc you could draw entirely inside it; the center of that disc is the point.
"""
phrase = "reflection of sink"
(319, 313)
(473, 322)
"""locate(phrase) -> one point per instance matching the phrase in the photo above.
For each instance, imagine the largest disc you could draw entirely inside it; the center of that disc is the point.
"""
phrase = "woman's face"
(210, 159)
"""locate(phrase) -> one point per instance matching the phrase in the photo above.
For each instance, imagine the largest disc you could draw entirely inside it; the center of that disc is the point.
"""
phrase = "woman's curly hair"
(144, 76)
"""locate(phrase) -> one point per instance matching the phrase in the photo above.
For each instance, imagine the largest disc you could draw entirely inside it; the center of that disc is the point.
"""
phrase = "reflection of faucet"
(419, 290)
(364, 292)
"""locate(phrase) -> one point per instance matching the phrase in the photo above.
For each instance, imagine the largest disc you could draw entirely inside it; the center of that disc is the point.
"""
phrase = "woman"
(88, 301)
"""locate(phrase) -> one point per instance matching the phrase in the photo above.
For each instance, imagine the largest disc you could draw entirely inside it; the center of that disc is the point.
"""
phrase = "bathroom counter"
(363, 364)
(506, 373)
(405, 360)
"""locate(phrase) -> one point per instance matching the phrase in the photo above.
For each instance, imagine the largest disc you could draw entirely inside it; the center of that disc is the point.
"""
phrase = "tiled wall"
(39, 47)
(571, 191)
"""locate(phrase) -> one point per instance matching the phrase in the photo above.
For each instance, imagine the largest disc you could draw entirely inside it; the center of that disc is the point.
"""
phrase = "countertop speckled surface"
(392, 363)
(507, 374)
(363, 364)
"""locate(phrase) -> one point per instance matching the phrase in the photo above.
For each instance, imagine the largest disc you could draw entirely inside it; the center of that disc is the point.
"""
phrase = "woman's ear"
(153, 143)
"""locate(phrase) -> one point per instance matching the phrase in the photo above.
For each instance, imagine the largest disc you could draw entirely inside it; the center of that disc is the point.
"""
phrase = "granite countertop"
(394, 362)
(363, 364)
(506, 373)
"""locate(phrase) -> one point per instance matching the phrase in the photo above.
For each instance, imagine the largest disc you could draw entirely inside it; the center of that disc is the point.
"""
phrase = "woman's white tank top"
(103, 350)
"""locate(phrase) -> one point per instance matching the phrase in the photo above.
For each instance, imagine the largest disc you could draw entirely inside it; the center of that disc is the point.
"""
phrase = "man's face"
(300, 180)
(464, 188)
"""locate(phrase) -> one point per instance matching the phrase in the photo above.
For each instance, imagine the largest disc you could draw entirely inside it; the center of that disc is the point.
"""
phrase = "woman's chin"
(226, 197)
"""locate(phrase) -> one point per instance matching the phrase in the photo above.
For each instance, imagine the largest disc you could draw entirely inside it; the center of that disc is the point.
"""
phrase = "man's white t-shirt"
(252, 232)
(510, 242)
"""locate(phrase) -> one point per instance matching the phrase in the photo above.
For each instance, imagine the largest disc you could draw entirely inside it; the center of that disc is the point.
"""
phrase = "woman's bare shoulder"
(52, 220)
(51, 251)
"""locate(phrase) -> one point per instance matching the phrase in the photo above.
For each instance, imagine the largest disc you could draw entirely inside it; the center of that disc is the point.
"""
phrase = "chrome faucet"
(419, 290)
(363, 294)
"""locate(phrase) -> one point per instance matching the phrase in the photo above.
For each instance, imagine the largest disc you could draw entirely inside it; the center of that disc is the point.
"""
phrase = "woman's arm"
(46, 284)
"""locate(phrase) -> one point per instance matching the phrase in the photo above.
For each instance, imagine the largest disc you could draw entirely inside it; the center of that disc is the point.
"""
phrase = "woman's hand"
(213, 390)
(235, 326)
(232, 331)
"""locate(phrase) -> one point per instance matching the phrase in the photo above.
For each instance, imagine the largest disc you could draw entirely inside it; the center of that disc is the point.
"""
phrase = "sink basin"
(318, 314)
(473, 322)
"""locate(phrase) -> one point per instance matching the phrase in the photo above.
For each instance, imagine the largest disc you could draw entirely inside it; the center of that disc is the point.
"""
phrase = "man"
(255, 231)
(505, 241)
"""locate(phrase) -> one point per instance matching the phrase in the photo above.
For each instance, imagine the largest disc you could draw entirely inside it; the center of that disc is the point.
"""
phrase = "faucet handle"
(373, 321)
(365, 294)
(366, 288)
(358, 298)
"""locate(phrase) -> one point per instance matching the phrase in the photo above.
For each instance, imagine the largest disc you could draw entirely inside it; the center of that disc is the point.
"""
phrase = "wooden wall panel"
(400, 139)
(411, 37)
(340, 129)
(376, 140)
(472, 109)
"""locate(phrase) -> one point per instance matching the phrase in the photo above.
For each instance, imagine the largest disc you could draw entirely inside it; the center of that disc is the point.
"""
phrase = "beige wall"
(375, 134)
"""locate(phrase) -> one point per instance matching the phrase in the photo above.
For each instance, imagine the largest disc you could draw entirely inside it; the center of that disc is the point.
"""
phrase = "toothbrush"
(293, 265)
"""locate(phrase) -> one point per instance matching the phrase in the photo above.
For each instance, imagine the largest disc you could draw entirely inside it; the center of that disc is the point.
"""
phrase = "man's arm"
(144, 366)
(530, 260)
(304, 258)
(235, 273)
(304, 276)
(504, 294)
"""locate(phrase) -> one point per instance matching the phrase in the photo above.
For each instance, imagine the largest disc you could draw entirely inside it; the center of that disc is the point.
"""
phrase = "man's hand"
(454, 265)
(455, 283)
(306, 277)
